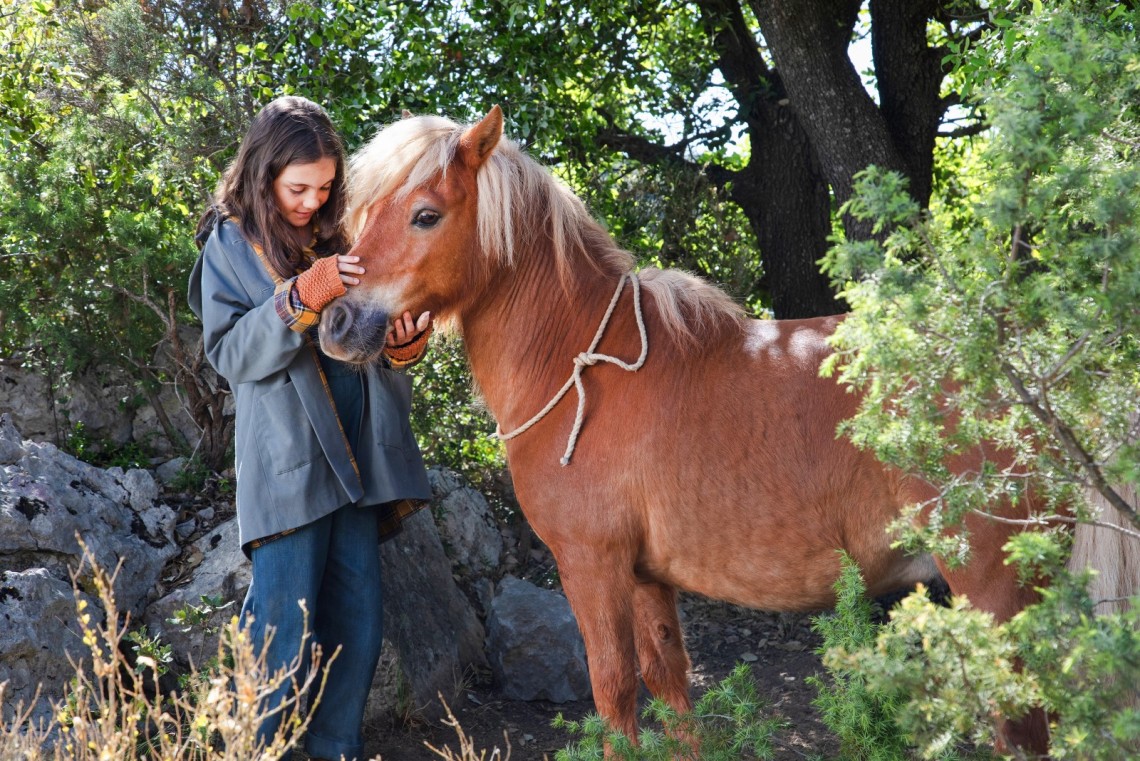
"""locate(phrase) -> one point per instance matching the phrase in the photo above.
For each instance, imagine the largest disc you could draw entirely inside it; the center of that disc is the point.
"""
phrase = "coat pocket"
(286, 440)
(391, 404)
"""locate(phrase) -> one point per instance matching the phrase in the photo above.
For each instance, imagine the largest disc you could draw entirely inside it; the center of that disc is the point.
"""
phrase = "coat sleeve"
(244, 337)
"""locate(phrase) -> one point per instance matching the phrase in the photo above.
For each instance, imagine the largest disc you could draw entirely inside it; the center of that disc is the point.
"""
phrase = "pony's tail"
(1110, 551)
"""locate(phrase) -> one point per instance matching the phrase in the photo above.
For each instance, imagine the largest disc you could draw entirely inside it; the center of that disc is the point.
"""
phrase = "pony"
(702, 451)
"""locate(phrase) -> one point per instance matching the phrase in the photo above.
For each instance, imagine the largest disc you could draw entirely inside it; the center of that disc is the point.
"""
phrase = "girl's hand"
(404, 328)
(348, 268)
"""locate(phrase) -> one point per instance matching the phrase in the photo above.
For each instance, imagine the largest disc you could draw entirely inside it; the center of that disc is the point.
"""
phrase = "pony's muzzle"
(351, 334)
(336, 322)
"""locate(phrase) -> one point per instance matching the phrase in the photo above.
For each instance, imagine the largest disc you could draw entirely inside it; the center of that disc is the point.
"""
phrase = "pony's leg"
(661, 653)
(660, 645)
(600, 590)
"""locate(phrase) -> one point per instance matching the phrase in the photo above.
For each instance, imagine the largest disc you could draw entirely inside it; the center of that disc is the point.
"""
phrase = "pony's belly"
(788, 575)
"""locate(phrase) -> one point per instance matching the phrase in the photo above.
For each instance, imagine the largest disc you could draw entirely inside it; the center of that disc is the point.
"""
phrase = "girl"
(325, 459)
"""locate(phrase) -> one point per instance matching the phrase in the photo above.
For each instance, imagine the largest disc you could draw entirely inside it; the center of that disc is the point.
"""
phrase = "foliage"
(726, 724)
(197, 616)
(1086, 663)
(101, 191)
(110, 136)
(105, 454)
(1002, 327)
(862, 718)
(951, 671)
(450, 423)
(194, 476)
(1012, 321)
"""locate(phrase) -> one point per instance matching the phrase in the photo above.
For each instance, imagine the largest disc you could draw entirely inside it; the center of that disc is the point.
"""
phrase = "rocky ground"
(779, 648)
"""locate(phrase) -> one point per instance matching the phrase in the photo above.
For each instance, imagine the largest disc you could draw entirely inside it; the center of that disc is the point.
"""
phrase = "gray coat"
(293, 462)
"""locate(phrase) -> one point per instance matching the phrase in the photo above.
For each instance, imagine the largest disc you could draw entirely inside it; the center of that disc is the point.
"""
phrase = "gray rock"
(428, 619)
(534, 646)
(168, 471)
(49, 503)
(49, 500)
(26, 397)
(102, 403)
(468, 530)
(222, 573)
(38, 636)
(142, 489)
(443, 481)
(11, 445)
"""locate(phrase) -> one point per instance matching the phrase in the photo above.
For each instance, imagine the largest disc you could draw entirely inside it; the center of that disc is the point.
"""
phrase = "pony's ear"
(405, 114)
(479, 141)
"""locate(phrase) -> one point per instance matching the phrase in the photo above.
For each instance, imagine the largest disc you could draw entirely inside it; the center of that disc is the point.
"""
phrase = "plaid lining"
(293, 313)
(267, 539)
(391, 518)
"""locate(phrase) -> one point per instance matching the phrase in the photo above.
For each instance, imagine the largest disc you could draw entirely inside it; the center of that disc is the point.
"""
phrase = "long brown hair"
(288, 130)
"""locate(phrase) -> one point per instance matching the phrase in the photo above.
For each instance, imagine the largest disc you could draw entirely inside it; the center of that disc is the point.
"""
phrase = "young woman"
(325, 459)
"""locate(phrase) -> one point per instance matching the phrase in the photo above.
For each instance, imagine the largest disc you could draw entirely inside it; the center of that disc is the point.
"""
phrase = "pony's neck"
(528, 326)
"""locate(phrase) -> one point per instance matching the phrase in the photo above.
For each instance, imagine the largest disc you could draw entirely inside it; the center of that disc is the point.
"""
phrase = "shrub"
(726, 724)
(863, 718)
(115, 709)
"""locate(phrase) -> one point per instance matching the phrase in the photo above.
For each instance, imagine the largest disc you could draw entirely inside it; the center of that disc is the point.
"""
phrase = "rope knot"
(588, 359)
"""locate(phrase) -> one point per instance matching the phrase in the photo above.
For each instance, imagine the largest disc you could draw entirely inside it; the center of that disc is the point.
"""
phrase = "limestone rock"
(38, 635)
(431, 623)
(466, 525)
(534, 646)
(26, 397)
(11, 445)
(49, 502)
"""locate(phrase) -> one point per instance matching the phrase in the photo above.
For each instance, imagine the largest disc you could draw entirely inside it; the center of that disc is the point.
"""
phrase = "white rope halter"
(587, 359)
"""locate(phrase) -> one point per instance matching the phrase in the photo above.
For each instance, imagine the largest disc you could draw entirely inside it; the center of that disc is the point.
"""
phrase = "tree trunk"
(780, 191)
(809, 40)
(909, 75)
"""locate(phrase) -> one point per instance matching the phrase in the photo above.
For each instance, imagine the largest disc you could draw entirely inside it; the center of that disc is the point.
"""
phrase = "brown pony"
(715, 467)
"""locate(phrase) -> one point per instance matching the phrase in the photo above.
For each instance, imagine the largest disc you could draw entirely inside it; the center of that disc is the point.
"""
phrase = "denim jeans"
(333, 564)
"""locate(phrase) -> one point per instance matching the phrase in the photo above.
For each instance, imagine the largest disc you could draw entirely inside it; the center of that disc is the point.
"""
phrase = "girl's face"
(301, 189)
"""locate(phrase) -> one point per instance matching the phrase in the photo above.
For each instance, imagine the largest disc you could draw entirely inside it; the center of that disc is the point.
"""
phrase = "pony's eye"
(426, 218)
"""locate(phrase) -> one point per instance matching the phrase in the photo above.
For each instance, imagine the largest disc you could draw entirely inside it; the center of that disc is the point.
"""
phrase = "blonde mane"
(520, 201)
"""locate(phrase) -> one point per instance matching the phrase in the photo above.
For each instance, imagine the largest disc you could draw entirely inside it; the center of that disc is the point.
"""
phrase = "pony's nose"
(337, 317)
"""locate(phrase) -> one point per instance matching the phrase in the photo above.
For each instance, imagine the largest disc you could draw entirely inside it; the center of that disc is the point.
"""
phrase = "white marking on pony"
(763, 336)
(804, 345)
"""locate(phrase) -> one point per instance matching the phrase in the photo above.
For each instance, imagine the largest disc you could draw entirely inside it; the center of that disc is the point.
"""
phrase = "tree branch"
(1130, 143)
(1071, 445)
(648, 152)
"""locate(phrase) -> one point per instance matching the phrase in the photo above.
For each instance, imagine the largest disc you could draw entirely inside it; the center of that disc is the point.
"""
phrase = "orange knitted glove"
(320, 284)
(411, 352)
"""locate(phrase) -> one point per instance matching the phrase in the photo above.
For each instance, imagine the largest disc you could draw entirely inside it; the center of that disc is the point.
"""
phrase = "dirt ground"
(779, 648)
